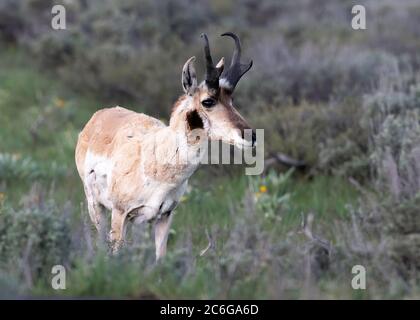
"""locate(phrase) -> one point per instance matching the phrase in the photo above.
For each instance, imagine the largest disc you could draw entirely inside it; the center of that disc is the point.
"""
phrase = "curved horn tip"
(229, 34)
(233, 36)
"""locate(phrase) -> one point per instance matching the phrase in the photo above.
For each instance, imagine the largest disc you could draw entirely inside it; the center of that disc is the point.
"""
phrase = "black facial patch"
(194, 120)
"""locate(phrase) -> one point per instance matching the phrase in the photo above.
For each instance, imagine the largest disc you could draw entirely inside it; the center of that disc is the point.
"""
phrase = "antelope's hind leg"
(162, 226)
(96, 213)
(118, 229)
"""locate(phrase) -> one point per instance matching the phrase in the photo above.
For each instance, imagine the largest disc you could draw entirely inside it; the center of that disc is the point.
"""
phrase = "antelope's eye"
(208, 103)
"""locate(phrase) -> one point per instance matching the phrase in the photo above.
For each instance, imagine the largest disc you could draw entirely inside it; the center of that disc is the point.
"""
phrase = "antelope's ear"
(189, 77)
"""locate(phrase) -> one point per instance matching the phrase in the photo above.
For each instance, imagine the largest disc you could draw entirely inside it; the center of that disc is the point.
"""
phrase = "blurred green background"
(344, 102)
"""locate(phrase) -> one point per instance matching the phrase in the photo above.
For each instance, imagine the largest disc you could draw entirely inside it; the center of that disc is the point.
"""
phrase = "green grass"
(40, 120)
(39, 117)
(325, 196)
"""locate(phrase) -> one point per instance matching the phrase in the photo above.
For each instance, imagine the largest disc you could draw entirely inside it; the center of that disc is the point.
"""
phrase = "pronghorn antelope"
(120, 153)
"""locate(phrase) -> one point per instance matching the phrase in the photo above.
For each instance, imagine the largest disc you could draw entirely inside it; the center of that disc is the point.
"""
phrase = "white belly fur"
(156, 197)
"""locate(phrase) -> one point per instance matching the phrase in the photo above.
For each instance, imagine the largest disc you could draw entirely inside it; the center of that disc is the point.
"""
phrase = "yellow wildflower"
(263, 189)
(59, 103)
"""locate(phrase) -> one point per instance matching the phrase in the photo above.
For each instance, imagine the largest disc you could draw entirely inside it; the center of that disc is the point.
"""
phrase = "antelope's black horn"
(212, 73)
(231, 76)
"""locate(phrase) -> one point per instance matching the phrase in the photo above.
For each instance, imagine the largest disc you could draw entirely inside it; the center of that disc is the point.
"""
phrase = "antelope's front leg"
(162, 226)
(118, 229)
